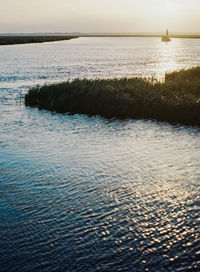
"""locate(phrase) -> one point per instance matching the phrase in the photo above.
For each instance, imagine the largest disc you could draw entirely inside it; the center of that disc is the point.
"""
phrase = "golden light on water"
(169, 55)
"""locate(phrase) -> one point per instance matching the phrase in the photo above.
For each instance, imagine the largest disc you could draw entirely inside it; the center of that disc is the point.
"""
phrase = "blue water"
(89, 194)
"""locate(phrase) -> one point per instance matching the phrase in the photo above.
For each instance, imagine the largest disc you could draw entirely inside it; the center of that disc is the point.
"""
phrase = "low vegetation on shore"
(176, 100)
(9, 40)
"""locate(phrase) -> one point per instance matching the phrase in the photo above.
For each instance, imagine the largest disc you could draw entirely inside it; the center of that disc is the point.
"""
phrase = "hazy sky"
(99, 15)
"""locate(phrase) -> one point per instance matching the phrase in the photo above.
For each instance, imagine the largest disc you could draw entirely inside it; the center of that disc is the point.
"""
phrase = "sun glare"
(168, 4)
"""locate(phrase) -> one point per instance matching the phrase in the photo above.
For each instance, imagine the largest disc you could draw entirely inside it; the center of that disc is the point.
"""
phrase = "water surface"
(90, 194)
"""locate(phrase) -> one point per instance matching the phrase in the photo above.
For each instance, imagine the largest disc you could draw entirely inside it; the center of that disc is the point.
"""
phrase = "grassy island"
(176, 100)
(9, 40)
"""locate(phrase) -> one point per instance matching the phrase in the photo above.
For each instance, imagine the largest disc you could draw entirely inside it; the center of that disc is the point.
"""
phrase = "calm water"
(89, 194)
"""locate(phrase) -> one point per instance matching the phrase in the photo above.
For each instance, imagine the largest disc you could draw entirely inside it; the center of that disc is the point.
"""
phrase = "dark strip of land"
(176, 100)
(9, 40)
(186, 36)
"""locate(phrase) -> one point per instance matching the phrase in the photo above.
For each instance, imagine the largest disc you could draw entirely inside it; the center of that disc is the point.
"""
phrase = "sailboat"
(166, 37)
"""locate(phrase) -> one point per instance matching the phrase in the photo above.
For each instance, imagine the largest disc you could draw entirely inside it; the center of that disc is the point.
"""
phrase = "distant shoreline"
(12, 40)
(33, 38)
(141, 36)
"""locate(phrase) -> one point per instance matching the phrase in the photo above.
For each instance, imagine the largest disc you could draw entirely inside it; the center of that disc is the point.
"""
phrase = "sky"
(122, 16)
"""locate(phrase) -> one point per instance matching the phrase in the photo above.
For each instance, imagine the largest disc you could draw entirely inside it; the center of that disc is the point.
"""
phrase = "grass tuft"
(176, 100)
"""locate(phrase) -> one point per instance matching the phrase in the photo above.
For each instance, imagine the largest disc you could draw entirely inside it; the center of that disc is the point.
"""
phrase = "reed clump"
(176, 100)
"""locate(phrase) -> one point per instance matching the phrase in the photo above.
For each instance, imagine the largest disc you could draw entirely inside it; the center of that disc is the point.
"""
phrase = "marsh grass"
(176, 100)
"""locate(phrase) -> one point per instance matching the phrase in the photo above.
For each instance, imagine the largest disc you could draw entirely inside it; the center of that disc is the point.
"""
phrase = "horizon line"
(101, 33)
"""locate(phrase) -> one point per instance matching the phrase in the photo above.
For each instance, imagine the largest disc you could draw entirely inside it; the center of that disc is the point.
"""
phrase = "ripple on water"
(101, 199)
(90, 194)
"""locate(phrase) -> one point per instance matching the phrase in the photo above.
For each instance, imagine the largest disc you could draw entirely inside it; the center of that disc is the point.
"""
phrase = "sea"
(81, 193)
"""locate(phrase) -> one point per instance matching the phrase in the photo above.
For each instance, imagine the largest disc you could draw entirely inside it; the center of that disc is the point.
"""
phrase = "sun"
(168, 4)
